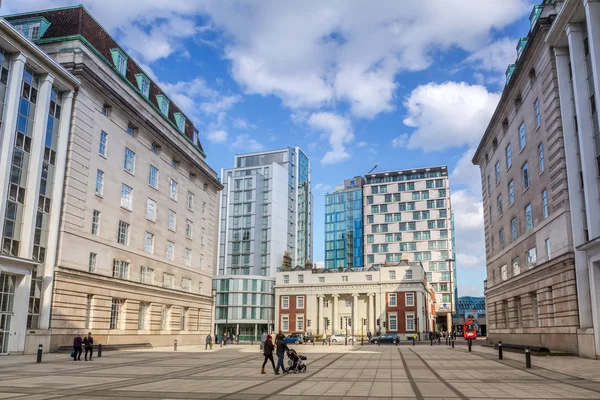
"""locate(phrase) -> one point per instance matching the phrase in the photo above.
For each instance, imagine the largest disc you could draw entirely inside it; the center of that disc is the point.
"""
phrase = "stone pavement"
(335, 372)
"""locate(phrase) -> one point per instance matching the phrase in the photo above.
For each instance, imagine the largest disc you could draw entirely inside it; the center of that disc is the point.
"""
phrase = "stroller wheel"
(296, 371)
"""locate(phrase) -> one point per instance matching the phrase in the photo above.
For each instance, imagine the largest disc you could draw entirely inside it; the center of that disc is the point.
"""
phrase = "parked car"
(309, 339)
(295, 338)
(340, 337)
(386, 338)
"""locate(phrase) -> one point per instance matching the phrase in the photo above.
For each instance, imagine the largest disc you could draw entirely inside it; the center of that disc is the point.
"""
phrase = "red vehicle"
(470, 330)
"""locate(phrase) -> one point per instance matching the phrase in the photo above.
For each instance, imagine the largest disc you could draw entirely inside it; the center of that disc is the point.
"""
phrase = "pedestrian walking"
(263, 339)
(369, 335)
(281, 349)
(268, 349)
(76, 354)
(325, 338)
(280, 336)
(88, 343)
(208, 342)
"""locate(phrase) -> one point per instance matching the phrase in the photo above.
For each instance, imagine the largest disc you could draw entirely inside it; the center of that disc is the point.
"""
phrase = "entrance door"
(7, 296)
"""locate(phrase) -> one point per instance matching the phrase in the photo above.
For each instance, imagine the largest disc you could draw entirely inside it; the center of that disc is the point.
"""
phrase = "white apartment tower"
(266, 210)
(408, 216)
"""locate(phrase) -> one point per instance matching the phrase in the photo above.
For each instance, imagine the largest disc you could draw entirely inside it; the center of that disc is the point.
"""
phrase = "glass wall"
(343, 230)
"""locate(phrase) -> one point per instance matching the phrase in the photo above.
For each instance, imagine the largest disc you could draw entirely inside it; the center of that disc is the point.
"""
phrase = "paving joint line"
(449, 386)
(413, 384)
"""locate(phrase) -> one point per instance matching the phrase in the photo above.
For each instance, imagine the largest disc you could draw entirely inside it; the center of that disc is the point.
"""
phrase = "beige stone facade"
(531, 288)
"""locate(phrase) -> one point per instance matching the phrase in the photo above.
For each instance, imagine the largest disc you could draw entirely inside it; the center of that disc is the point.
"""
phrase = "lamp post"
(450, 261)
(213, 309)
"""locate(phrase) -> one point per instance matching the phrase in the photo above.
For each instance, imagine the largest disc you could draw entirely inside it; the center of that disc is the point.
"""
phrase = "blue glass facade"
(344, 229)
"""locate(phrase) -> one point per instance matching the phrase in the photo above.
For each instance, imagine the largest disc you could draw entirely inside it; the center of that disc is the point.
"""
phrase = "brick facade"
(400, 310)
(292, 313)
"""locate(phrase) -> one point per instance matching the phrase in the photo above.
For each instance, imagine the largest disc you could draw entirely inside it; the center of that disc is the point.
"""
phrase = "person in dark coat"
(88, 343)
(77, 342)
(268, 349)
(281, 349)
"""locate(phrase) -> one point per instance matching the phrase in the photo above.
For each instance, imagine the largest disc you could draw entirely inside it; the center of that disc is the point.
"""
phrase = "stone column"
(575, 34)
(334, 320)
(321, 316)
(9, 126)
(355, 322)
(370, 313)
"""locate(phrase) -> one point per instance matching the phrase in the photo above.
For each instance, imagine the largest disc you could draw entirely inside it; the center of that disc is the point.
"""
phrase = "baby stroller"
(295, 362)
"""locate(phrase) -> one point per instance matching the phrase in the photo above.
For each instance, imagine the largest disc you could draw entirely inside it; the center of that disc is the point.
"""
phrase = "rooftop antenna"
(372, 169)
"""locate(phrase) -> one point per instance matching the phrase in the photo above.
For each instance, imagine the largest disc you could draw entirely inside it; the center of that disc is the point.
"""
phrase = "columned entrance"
(7, 296)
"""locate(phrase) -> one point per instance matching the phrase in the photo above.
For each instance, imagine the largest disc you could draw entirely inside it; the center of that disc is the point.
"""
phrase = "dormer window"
(119, 60)
(143, 84)
(521, 46)
(32, 29)
(535, 15)
(163, 104)
(180, 120)
(509, 72)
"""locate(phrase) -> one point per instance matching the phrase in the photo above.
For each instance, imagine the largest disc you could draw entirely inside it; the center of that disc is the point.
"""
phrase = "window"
(143, 84)
(545, 203)
(499, 201)
(119, 60)
(522, 138)
(497, 172)
(123, 233)
(172, 222)
(151, 210)
(120, 269)
(115, 313)
(344, 278)
(531, 258)
(189, 229)
(173, 190)
(501, 239)
(321, 279)
(202, 234)
(393, 322)
(541, 158)
(143, 316)
(392, 275)
(429, 276)
(163, 104)
(186, 284)
(511, 192)
(99, 183)
(513, 228)
(445, 276)
(300, 278)
(92, 262)
(126, 197)
(168, 280)
(516, 266)
(369, 277)
(187, 257)
(129, 161)
(536, 311)
(153, 177)
(508, 157)
(96, 223)
(392, 300)
(285, 302)
(190, 201)
(410, 322)
(504, 272)
(409, 299)
(106, 110)
(538, 120)
(299, 301)
(409, 274)
(164, 318)
(300, 323)
(525, 176)
(147, 275)
(285, 323)
(103, 142)
(548, 248)
(201, 261)
(203, 207)
(170, 254)
(528, 218)
(489, 185)
(149, 242)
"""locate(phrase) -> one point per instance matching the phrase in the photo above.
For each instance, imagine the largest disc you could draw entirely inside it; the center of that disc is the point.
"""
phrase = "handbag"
(73, 354)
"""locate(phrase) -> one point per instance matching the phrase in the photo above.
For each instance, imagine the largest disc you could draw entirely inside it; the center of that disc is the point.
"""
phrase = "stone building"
(391, 298)
(36, 95)
(531, 287)
(138, 227)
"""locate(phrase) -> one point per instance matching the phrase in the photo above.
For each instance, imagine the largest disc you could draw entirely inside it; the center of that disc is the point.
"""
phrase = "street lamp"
(213, 292)
(451, 261)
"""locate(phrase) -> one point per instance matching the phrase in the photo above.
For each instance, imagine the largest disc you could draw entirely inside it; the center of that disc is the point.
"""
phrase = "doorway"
(7, 296)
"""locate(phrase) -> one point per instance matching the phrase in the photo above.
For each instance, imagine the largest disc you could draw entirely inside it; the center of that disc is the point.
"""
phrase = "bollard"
(431, 342)
(251, 341)
(39, 353)
(396, 342)
(500, 350)
(378, 343)
(100, 350)
(175, 345)
(452, 342)
(446, 341)
(470, 345)
(238, 339)
(527, 358)
(362, 340)
(413, 341)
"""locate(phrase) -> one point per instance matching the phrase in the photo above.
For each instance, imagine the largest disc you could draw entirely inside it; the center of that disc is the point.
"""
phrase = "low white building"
(393, 298)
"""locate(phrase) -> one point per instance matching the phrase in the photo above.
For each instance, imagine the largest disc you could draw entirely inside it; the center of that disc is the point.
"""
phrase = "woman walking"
(268, 353)
(88, 343)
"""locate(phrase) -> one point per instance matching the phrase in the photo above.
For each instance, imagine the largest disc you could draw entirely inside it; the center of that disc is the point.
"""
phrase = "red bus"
(469, 329)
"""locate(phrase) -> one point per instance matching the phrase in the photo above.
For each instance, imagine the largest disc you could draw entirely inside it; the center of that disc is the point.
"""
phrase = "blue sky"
(401, 83)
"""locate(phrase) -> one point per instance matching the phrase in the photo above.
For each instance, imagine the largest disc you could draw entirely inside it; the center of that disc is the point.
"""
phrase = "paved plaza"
(334, 372)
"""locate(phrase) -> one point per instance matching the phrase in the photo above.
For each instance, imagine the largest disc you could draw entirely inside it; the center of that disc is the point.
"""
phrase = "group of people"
(437, 336)
(78, 345)
(223, 339)
(268, 348)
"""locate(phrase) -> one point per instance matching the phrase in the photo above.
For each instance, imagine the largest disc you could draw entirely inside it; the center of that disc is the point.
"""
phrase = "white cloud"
(320, 187)
(338, 131)
(447, 115)
(246, 143)
(241, 123)
(219, 136)
(468, 224)
(219, 103)
(467, 174)
(494, 58)
(400, 141)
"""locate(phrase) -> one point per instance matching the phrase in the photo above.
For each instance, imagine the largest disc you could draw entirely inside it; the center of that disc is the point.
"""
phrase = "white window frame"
(173, 190)
(285, 327)
(129, 161)
(369, 277)
(126, 197)
(143, 316)
(96, 215)
(165, 314)
(100, 183)
(189, 229)
(190, 201)
(92, 262)
(392, 275)
(147, 275)
(410, 296)
(149, 242)
(300, 320)
(120, 269)
(170, 251)
(395, 300)
(153, 176)
(406, 318)
(123, 233)
(186, 284)
(151, 210)
(395, 318)
(187, 257)
(409, 274)
(300, 278)
(285, 302)
(103, 147)
(286, 279)
(300, 302)
(116, 310)
(172, 221)
(168, 280)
